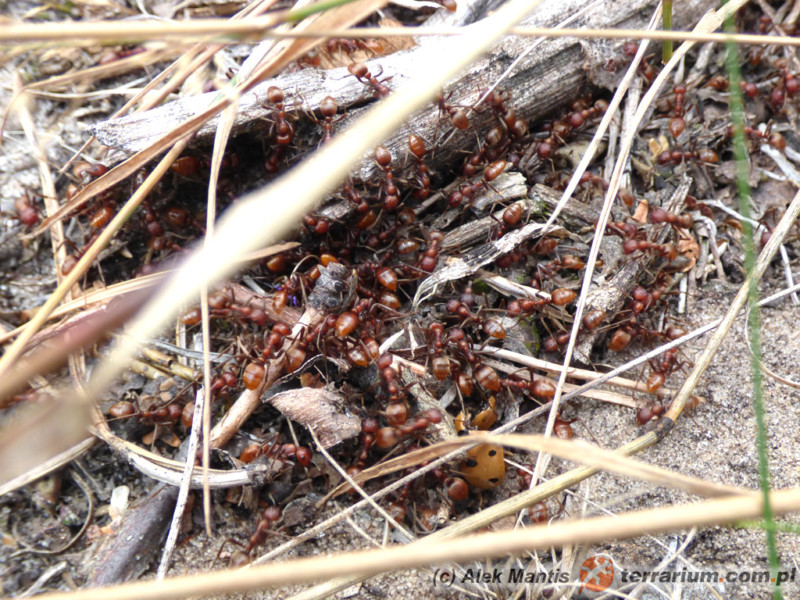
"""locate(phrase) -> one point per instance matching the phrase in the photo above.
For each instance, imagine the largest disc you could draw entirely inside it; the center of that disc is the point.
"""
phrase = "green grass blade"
(754, 330)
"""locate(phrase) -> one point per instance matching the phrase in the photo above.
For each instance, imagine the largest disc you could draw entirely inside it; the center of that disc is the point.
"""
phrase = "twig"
(183, 491)
(49, 573)
(355, 486)
(787, 271)
(573, 372)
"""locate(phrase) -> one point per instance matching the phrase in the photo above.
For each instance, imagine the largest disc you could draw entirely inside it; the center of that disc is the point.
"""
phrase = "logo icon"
(597, 573)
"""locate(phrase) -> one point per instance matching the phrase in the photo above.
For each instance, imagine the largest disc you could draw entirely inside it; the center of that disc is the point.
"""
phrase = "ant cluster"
(389, 245)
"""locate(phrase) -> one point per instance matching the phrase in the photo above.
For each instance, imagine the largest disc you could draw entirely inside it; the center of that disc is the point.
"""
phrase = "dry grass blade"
(97, 298)
(260, 28)
(91, 33)
(118, 67)
(710, 22)
(15, 350)
(59, 425)
(48, 466)
(580, 452)
(583, 531)
(766, 256)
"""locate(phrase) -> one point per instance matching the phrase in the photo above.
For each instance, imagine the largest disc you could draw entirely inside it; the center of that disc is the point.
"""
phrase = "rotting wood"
(572, 211)
(509, 186)
(126, 553)
(308, 87)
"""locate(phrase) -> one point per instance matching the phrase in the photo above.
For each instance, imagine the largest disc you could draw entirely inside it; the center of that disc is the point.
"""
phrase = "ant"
(659, 215)
(160, 416)
(266, 523)
(667, 251)
(361, 72)
(26, 209)
(773, 138)
(283, 128)
(677, 123)
(704, 155)
(339, 45)
(662, 367)
(391, 200)
(328, 108)
(457, 115)
(417, 147)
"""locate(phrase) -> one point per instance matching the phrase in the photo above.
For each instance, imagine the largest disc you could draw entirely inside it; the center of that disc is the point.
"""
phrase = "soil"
(716, 441)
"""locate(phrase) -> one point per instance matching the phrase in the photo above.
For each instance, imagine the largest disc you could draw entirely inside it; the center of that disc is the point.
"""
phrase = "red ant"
(113, 56)
(328, 108)
(391, 199)
(773, 138)
(662, 367)
(659, 215)
(266, 523)
(457, 115)
(676, 123)
(283, 127)
(704, 155)
(667, 251)
(350, 46)
(26, 209)
(786, 85)
(558, 133)
(417, 146)
(361, 72)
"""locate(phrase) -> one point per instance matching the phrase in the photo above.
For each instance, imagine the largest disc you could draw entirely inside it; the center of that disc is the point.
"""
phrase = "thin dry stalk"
(91, 33)
(582, 531)
(576, 451)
